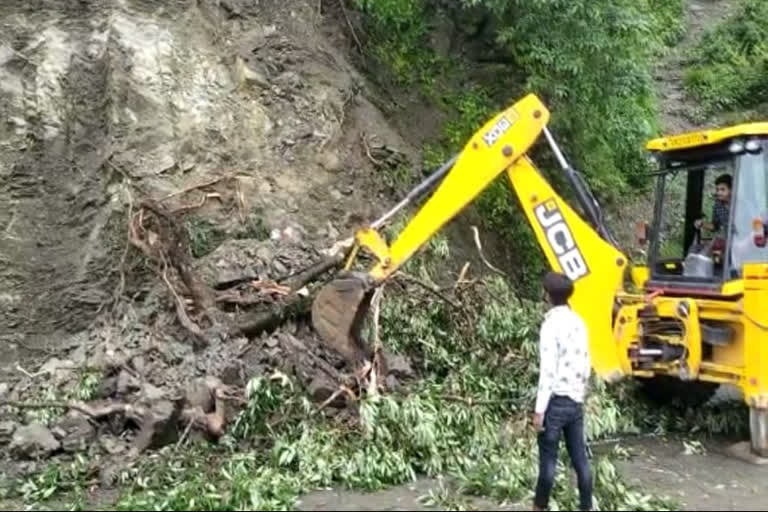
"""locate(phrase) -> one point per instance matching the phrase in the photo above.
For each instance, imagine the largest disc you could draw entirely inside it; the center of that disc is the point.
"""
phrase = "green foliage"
(669, 19)
(591, 63)
(729, 66)
(205, 236)
(465, 420)
(58, 478)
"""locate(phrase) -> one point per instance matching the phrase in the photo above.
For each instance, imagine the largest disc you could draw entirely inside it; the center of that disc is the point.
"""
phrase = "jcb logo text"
(497, 130)
(560, 240)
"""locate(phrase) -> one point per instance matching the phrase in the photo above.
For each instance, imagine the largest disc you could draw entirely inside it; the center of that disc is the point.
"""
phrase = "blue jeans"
(566, 416)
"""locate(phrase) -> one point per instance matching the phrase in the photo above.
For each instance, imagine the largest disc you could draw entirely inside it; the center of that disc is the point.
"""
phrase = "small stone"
(335, 194)
(330, 161)
(59, 371)
(153, 393)
(347, 190)
(127, 383)
(75, 433)
(139, 363)
(7, 428)
(265, 188)
(199, 395)
(187, 164)
(232, 375)
(33, 442)
(399, 366)
(265, 254)
(107, 388)
(4, 389)
(279, 267)
(78, 356)
(321, 389)
(247, 75)
(332, 232)
(392, 383)
(272, 342)
(112, 445)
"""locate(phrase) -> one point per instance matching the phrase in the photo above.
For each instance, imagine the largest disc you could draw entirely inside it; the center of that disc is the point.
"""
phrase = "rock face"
(33, 442)
(94, 93)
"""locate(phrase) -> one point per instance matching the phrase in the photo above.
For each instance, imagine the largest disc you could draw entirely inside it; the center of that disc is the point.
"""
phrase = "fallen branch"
(482, 255)
(471, 401)
(374, 161)
(376, 305)
(201, 294)
(258, 322)
(196, 187)
(195, 206)
(334, 396)
(432, 289)
(181, 311)
(462, 275)
(319, 362)
(351, 28)
(300, 280)
(92, 412)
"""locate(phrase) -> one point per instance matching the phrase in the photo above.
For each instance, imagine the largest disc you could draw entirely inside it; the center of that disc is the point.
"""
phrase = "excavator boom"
(570, 244)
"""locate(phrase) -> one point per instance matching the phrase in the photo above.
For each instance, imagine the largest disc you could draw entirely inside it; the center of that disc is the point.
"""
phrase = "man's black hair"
(559, 288)
(724, 179)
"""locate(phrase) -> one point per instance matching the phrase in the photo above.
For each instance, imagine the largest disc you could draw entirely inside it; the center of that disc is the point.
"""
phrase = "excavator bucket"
(338, 312)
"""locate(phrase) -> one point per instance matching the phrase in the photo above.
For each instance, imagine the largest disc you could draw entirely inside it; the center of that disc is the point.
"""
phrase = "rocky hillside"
(104, 100)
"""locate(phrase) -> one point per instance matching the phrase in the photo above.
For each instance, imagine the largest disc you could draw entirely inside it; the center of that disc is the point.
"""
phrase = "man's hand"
(538, 422)
(699, 224)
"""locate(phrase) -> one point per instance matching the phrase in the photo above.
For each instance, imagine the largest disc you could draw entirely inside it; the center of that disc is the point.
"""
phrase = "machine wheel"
(758, 431)
(665, 390)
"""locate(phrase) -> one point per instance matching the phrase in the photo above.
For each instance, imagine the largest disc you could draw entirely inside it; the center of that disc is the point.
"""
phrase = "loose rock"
(75, 433)
(127, 383)
(321, 388)
(330, 161)
(199, 395)
(399, 366)
(159, 426)
(33, 442)
(7, 428)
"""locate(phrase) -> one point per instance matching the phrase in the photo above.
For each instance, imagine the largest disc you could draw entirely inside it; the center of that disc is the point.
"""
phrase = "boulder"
(75, 433)
(159, 426)
(33, 442)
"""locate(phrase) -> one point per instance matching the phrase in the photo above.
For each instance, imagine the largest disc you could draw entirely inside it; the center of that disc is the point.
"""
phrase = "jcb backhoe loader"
(694, 316)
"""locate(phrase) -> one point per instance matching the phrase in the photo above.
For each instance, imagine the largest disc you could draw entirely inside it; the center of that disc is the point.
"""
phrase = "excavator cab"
(681, 254)
(702, 321)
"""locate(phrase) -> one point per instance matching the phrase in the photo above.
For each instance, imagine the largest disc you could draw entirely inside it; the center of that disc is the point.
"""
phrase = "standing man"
(564, 372)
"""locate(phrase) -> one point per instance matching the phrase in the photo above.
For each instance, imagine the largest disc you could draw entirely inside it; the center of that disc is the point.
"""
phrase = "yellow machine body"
(716, 333)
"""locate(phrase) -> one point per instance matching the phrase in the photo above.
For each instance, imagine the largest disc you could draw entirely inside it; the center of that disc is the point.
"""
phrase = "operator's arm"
(547, 366)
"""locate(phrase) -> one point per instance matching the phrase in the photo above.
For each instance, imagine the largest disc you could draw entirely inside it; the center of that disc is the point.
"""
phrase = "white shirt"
(564, 353)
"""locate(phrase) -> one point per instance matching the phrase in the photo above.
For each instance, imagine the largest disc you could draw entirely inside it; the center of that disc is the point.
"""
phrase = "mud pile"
(244, 120)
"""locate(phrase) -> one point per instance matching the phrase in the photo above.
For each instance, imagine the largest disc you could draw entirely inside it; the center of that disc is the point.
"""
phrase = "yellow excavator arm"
(569, 243)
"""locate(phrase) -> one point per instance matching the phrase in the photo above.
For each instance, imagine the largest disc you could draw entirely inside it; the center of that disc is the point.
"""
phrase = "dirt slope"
(677, 108)
(101, 94)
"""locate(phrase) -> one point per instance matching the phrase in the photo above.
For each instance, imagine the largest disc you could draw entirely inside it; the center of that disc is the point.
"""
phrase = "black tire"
(665, 390)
